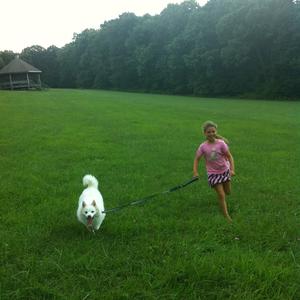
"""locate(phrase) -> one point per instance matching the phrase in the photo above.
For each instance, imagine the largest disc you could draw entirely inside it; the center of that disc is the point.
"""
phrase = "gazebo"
(18, 74)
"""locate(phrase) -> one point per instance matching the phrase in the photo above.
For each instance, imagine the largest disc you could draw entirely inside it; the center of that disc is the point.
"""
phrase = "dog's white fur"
(90, 205)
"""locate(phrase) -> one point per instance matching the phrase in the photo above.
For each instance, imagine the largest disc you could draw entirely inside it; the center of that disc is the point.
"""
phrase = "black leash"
(145, 199)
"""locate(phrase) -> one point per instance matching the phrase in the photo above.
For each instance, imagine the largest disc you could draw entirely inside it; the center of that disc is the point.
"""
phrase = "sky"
(24, 23)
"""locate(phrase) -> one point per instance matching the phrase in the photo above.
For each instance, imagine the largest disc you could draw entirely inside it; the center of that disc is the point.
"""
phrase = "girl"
(219, 163)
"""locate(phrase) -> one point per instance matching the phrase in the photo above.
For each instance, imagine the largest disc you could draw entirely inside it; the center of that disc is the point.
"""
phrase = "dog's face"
(89, 211)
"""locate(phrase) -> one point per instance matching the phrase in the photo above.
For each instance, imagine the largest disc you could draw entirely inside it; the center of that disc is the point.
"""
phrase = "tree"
(5, 57)
(225, 48)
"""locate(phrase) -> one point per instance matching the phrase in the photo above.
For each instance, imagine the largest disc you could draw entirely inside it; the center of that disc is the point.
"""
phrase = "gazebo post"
(28, 82)
(39, 79)
(10, 82)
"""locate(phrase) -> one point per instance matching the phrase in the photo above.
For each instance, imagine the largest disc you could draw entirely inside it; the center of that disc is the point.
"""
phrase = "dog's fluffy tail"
(90, 181)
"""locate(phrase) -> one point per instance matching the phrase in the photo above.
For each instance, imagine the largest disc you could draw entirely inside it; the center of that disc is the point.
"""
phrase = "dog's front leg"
(90, 229)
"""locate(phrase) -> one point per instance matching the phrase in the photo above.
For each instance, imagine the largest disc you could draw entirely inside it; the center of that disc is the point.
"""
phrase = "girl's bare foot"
(228, 219)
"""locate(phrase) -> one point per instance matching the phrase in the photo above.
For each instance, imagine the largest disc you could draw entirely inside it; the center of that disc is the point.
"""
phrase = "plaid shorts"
(214, 179)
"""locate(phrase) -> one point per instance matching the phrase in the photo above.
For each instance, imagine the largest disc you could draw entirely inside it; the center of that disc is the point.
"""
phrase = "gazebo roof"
(17, 65)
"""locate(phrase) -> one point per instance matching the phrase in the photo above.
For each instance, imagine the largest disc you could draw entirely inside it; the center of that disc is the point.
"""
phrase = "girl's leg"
(227, 187)
(221, 196)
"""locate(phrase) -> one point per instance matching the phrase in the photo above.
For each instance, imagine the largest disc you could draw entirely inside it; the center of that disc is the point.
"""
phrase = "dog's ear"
(94, 203)
(83, 204)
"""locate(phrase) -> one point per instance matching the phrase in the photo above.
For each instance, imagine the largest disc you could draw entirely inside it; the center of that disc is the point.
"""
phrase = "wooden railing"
(21, 84)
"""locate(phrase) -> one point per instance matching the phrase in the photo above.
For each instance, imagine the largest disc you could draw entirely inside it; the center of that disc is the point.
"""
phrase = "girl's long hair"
(208, 124)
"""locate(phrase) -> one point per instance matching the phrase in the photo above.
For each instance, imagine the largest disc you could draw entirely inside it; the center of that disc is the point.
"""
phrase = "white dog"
(90, 205)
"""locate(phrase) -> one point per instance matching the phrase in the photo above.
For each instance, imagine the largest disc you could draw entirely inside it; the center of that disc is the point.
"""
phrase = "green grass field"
(177, 246)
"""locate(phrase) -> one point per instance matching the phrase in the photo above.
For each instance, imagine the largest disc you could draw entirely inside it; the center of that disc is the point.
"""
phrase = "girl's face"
(210, 133)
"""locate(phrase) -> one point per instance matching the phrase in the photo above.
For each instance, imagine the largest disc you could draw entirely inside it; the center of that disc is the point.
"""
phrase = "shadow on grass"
(77, 232)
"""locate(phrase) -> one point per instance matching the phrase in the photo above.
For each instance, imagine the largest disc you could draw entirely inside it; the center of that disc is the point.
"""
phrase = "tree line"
(224, 48)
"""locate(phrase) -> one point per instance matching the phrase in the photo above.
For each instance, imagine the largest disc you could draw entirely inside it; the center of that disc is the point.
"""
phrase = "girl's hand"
(232, 173)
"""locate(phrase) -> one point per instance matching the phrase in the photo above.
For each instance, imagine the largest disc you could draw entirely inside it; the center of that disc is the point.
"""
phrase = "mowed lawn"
(177, 246)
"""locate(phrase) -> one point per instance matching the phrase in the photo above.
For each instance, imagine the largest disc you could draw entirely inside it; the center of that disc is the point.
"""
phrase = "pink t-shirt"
(214, 154)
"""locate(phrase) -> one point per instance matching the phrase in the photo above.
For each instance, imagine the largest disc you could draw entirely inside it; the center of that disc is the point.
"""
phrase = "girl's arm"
(231, 162)
(196, 164)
